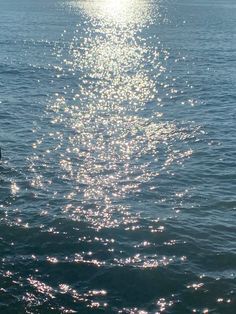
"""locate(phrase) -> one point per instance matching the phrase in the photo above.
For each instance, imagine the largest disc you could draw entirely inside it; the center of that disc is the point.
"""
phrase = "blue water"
(117, 179)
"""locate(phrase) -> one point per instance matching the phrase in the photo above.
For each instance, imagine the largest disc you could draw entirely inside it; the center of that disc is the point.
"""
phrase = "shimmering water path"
(117, 182)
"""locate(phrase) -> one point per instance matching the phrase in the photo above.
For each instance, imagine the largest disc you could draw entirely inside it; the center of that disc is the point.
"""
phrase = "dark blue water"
(117, 180)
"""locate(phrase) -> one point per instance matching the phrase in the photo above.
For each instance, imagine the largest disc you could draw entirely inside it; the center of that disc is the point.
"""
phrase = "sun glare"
(115, 8)
(123, 12)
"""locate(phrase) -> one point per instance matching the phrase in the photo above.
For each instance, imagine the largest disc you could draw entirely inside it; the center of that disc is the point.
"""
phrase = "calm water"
(117, 182)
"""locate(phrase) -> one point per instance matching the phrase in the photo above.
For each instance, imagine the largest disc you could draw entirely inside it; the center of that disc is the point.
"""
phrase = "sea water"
(117, 178)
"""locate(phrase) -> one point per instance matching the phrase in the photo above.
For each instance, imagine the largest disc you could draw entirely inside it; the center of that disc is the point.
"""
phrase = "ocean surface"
(118, 171)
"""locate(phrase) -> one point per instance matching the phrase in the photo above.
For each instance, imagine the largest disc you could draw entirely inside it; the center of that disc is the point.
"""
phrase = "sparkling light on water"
(116, 138)
(101, 206)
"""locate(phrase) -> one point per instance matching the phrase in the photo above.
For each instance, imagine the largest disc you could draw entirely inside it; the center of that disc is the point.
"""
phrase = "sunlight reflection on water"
(118, 138)
(100, 208)
(122, 12)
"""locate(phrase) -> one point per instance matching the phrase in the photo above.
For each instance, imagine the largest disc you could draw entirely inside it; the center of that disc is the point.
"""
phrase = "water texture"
(117, 179)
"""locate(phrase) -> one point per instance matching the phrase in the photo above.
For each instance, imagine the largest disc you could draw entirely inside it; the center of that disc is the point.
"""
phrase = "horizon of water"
(117, 179)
